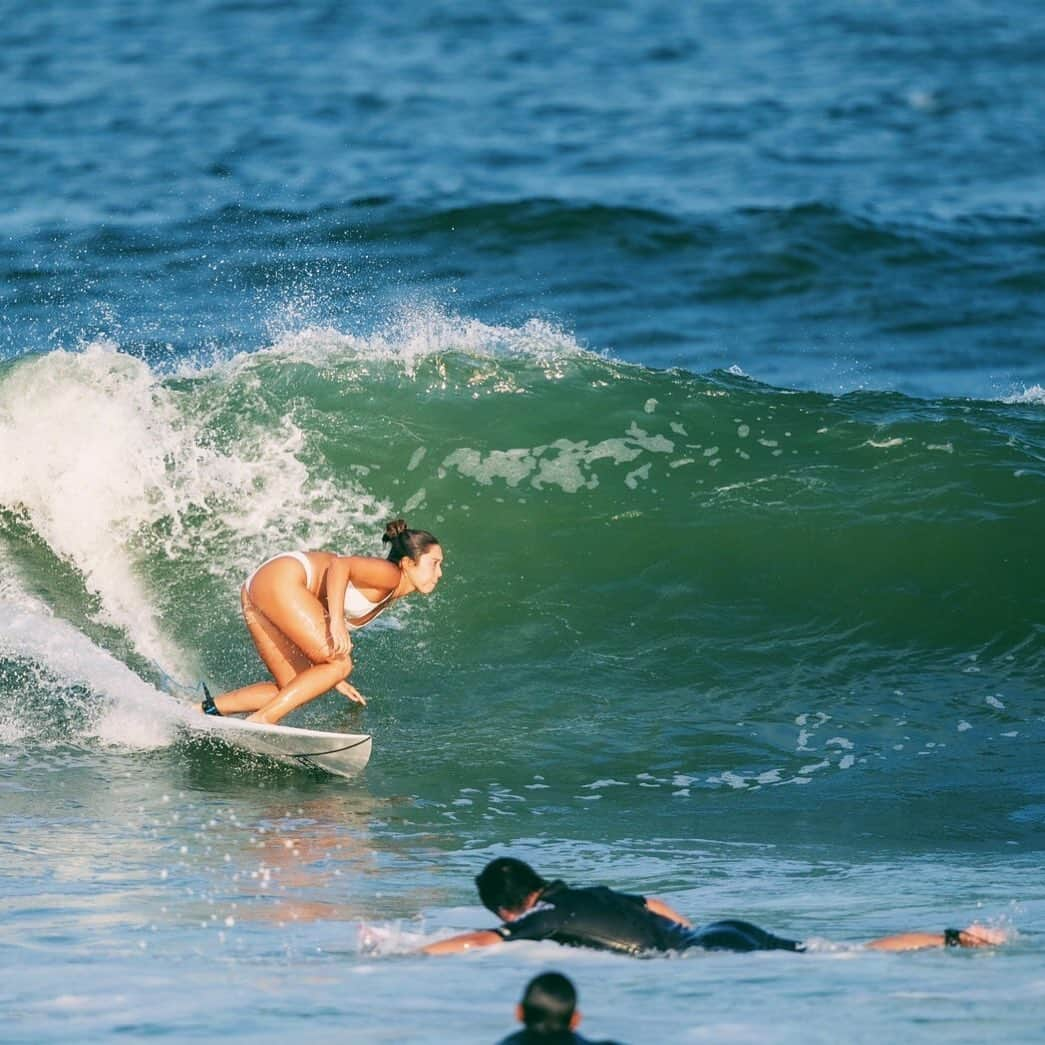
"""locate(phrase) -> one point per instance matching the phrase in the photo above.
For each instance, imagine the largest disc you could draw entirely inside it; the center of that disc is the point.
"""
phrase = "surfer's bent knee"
(343, 661)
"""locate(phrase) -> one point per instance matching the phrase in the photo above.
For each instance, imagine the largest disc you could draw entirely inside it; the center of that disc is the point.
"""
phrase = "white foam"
(814, 766)
(640, 474)
(100, 451)
(413, 335)
(1035, 394)
(78, 430)
(657, 444)
(128, 711)
(383, 940)
(564, 463)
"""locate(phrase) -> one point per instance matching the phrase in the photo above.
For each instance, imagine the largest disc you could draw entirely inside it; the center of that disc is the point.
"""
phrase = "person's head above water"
(549, 1005)
(416, 552)
(505, 884)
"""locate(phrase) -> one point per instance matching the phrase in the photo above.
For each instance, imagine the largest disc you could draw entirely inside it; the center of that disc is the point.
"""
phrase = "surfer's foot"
(353, 694)
(207, 706)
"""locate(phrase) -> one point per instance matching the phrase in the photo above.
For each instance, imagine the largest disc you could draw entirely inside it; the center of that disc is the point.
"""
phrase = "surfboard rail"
(342, 754)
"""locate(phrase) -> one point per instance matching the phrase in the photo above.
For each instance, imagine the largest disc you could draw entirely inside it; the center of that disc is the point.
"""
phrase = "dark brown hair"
(548, 1005)
(404, 542)
(507, 882)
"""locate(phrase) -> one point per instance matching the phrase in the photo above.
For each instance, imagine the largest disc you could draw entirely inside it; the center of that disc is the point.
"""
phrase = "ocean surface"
(708, 338)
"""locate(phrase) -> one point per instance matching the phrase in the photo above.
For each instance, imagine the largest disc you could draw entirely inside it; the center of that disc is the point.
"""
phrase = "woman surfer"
(301, 606)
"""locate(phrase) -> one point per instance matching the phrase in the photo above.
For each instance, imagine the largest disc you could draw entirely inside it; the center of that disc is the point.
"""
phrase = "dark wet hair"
(506, 883)
(406, 543)
(548, 1004)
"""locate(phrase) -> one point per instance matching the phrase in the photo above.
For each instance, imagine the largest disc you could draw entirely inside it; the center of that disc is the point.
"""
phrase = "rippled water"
(706, 340)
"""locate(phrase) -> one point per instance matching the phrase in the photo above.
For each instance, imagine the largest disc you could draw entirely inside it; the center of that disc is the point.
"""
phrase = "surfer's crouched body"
(300, 607)
(535, 909)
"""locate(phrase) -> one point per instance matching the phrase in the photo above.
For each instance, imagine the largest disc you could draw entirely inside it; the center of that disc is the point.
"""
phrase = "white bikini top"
(358, 605)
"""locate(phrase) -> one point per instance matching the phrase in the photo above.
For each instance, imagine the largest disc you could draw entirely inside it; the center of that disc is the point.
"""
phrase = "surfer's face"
(424, 573)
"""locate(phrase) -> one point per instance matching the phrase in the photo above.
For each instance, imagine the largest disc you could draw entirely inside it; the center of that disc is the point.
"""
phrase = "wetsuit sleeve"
(538, 925)
(638, 901)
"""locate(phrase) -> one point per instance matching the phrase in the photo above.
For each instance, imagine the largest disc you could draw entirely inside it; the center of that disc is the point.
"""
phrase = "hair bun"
(406, 543)
(393, 530)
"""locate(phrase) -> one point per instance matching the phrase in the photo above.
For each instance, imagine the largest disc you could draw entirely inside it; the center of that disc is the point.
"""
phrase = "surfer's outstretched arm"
(464, 942)
(973, 936)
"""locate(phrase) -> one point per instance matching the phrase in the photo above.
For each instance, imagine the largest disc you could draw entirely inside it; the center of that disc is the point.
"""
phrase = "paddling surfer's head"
(506, 885)
(416, 552)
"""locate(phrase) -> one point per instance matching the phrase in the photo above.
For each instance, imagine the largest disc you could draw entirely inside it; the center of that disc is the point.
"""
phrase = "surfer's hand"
(982, 936)
(346, 689)
(340, 643)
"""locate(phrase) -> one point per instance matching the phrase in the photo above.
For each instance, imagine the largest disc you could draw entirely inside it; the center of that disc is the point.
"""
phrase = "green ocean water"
(705, 579)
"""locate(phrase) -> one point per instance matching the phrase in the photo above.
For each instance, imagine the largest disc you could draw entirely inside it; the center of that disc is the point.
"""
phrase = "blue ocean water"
(707, 338)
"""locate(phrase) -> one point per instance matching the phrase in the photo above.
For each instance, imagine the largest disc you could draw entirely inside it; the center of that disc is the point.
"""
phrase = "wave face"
(706, 336)
(658, 580)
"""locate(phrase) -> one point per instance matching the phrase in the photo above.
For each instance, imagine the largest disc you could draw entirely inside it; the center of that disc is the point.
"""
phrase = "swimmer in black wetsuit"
(602, 918)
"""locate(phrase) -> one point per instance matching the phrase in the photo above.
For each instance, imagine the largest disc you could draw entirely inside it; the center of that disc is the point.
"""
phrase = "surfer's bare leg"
(283, 659)
(288, 626)
(246, 698)
(291, 613)
(307, 686)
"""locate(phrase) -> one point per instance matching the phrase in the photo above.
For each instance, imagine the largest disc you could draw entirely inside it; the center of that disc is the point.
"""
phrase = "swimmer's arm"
(464, 942)
(661, 908)
(973, 936)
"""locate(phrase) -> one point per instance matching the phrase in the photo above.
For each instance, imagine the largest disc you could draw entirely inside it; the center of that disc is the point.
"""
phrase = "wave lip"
(1034, 395)
(76, 690)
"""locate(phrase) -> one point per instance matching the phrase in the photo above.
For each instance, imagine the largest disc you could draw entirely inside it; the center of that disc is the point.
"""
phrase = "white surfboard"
(343, 754)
